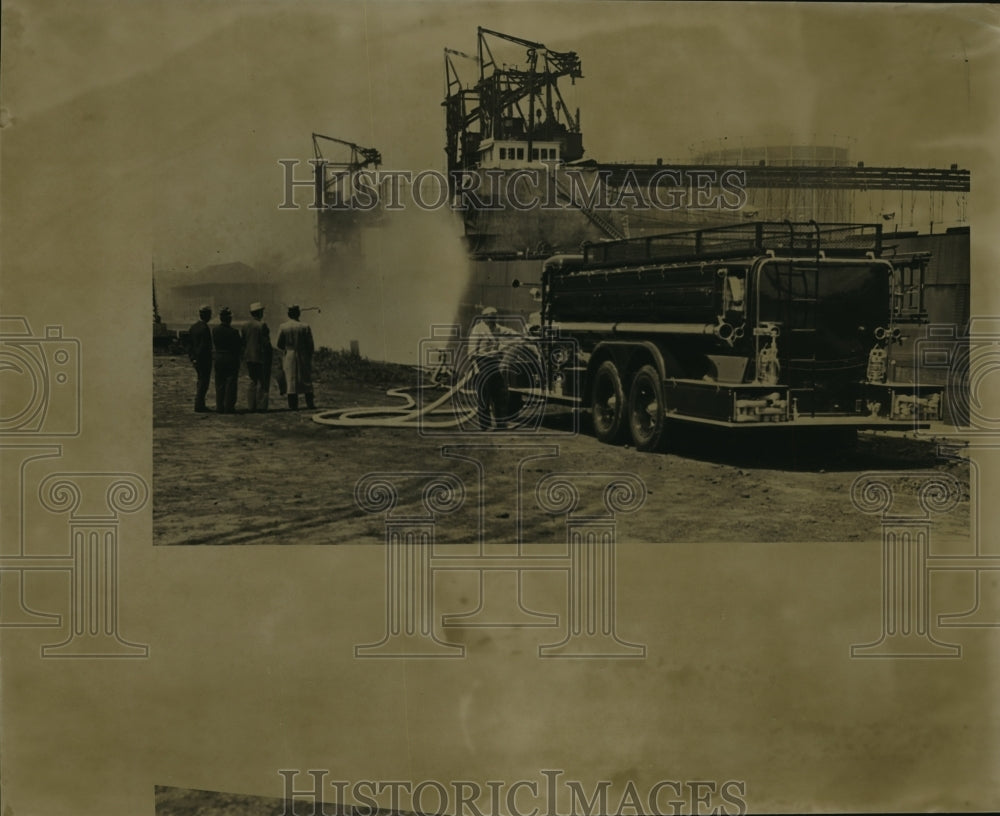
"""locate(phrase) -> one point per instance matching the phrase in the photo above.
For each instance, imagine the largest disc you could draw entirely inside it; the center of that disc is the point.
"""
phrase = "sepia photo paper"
(498, 408)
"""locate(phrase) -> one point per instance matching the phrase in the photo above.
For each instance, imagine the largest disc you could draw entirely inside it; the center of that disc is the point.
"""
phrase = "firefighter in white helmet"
(486, 342)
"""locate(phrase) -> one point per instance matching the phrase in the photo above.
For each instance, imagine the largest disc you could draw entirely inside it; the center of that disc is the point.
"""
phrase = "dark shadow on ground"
(797, 449)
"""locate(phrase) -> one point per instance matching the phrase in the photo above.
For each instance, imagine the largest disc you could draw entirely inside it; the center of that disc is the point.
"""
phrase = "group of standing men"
(224, 348)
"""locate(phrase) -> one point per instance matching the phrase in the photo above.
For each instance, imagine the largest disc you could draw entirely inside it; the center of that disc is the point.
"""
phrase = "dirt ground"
(182, 802)
(281, 478)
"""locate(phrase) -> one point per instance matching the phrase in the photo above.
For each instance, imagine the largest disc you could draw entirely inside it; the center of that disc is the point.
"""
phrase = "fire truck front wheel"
(608, 407)
(645, 416)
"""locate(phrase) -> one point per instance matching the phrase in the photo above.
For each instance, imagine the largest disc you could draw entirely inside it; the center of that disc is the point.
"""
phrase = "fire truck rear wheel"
(645, 409)
(607, 404)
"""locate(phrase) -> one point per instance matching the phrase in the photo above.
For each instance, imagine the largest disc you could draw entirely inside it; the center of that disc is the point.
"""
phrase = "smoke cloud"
(386, 285)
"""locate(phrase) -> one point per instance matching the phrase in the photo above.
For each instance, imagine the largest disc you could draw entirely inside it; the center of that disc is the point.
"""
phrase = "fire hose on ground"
(408, 415)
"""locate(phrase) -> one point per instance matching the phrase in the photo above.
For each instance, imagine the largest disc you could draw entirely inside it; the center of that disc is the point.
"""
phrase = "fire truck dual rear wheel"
(645, 409)
(607, 404)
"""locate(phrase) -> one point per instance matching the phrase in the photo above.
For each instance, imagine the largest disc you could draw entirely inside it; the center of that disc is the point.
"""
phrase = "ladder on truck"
(800, 285)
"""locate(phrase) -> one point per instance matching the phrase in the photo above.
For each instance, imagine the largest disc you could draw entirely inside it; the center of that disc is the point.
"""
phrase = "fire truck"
(762, 325)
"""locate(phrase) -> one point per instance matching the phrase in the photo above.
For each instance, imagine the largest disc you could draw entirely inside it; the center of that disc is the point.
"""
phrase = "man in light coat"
(295, 340)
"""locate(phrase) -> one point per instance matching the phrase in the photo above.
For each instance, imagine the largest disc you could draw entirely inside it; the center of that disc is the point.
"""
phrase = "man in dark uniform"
(258, 353)
(200, 352)
(228, 348)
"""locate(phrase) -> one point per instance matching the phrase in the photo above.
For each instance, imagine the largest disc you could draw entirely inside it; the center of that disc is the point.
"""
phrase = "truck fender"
(624, 351)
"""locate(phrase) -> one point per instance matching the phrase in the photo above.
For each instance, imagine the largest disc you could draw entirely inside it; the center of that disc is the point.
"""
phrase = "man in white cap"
(258, 353)
(296, 341)
(200, 353)
(485, 348)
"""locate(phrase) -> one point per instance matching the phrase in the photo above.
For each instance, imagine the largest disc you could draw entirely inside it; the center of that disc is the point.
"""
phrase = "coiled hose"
(407, 415)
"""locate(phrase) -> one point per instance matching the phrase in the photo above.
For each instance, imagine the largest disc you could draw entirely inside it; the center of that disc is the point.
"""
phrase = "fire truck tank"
(657, 293)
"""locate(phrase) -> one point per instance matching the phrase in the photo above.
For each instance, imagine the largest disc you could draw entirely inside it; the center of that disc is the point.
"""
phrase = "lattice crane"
(504, 102)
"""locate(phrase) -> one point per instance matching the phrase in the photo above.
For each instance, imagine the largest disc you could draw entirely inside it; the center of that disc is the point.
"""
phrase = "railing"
(780, 237)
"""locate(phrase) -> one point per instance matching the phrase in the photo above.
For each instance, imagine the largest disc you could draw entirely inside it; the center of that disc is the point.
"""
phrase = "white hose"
(404, 416)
